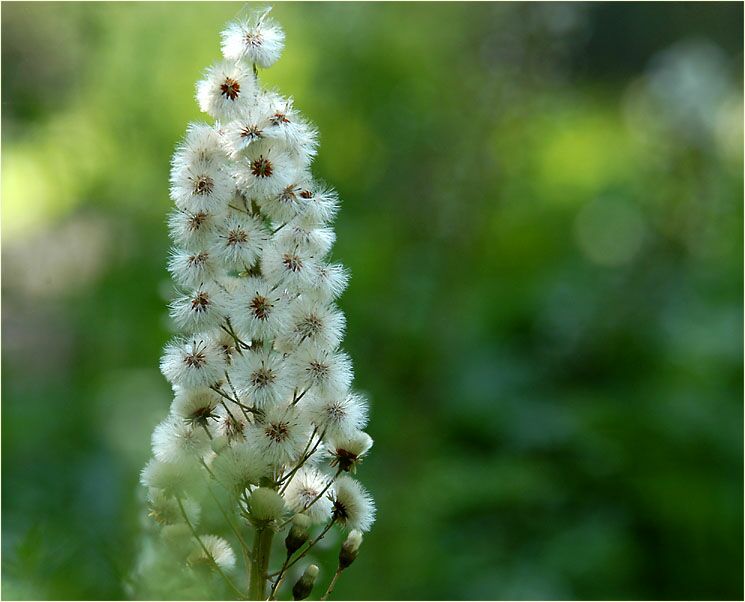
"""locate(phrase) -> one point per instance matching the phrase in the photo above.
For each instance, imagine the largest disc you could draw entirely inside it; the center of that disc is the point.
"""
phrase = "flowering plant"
(263, 427)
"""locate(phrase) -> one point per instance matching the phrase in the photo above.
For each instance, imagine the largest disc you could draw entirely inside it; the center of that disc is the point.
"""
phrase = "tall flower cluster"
(264, 424)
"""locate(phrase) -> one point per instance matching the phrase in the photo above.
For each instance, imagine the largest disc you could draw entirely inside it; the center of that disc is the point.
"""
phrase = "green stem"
(285, 480)
(259, 563)
(305, 550)
(331, 585)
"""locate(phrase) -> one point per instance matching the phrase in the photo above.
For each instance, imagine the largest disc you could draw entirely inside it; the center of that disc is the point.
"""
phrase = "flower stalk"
(262, 550)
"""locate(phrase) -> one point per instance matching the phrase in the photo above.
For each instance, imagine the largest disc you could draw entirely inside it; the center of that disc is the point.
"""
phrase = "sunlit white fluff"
(196, 407)
(353, 505)
(247, 130)
(260, 385)
(191, 268)
(304, 488)
(239, 240)
(315, 325)
(321, 371)
(321, 202)
(230, 422)
(165, 510)
(261, 378)
(258, 310)
(192, 229)
(239, 466)
(289, 202)
(194, 362)
(226, 90)
(347, 450)
(330, 282)
(256, 40)
(288, 127)
(201, 187)
(337, 415)
(281, 435)
(311, 238)
(217, 550)
(201, 144)
(287, 266)
(200, 309)
(265, 171)
(175, 441)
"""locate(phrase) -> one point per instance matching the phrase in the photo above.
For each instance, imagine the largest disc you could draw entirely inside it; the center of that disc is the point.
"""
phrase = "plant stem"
(259, 563)
(242, 406)
(303, 457)
(299, 397)
(236, 530)
(288, 565)
(331, 585)
(280, 577)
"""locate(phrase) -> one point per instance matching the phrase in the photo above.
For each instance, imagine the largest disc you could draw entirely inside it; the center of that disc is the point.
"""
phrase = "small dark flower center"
(200, 302)
(292, 262)
(279, 117)
(277, 431)
(204, 185)
(310, 326)
(233, 428)
(253, 39)
(318, 370)
(230, 88)
(261, 167)
(200, 416)
(260, 306)
(340, 511)
(288, 195)
(306, 194)
(346, 460)
(335, 412)
(236, 237)
(198, 259)
(263, 377)
(251, 131)
(197, 220)
(195, 360)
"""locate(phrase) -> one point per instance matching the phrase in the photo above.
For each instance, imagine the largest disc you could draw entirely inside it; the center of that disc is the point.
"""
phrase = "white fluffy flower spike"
(263, 417)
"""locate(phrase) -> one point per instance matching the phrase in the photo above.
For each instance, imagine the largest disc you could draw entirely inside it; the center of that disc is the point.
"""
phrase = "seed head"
(230, 88)
(261, 167)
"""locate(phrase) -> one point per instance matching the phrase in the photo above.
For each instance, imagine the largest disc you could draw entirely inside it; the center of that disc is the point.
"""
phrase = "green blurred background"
(542, 212)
